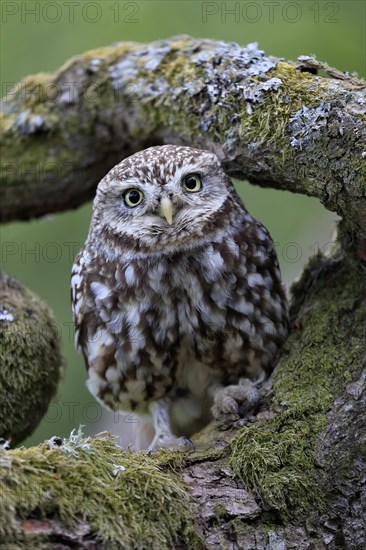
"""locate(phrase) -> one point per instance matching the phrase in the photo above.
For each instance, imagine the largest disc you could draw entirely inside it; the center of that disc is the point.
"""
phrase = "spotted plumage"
(177, 296)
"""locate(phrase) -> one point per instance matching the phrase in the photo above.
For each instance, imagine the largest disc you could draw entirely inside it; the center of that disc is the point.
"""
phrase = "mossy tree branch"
(273, 122)
(295, 477)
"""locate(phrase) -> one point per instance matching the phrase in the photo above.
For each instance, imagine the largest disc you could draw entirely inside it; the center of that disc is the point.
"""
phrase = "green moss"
(126, 498)
(239, 529)
(174, 70)
(276, 457)
(34, 90)
(220, 510)
(38, 113)
(269, 119)
(172, 461)
(276, 463)
(30, 360)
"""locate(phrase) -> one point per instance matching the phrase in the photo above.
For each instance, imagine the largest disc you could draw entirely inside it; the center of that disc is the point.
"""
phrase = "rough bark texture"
(294, 478)
(273, 122)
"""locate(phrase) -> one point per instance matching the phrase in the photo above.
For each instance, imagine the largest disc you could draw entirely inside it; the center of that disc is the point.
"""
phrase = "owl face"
(162, 196)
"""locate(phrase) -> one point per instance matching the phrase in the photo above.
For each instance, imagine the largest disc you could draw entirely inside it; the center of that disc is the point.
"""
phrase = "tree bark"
(294, 477)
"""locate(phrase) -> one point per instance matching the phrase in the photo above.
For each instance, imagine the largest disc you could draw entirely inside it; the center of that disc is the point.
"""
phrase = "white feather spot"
(130, 275)
(115, 324)
(233, 247)
(244, 307)
(95, 383)
(97, 343)
(254, 279)
(220, 295)
(262, 234)
(112, 374)
(76, 280)
(124, 401)
(214, 264)
(269, 327)
(100, 291)
(133, 314)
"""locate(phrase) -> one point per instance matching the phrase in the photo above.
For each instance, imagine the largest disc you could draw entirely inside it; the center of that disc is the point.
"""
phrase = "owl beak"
(166, 209)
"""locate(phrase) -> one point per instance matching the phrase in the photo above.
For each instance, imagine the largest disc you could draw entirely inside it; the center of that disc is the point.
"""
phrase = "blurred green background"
(40, 36)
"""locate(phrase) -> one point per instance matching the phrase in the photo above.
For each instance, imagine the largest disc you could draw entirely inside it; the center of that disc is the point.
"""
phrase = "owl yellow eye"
(192, 182)
(133, 197)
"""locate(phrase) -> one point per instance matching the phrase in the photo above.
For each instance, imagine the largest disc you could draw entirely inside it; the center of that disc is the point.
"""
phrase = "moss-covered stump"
(30, 360)
(294, 478)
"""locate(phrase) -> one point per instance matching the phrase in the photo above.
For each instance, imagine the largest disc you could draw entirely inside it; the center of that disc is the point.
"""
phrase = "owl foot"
(170, 441)
(235, 405)
(164, 437)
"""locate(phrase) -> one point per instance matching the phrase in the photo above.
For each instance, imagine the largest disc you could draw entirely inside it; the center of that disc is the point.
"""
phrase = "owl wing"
(77, 296)
(92, 312)
(257, 305)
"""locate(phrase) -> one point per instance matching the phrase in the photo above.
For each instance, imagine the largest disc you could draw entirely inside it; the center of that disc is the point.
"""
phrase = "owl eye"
(132, 197)
(192, 182)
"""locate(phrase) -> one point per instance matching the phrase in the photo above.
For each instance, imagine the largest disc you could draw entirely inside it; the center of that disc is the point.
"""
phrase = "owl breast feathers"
(177, 290)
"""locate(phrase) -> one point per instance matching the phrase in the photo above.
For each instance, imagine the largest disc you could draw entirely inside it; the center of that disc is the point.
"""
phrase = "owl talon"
(227, 421)
(229, 405)
(182, 444)
(233, 404)
(170, 441)
(188, 444)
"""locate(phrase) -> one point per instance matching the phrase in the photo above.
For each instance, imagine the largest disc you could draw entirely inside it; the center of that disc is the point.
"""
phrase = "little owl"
(177, 295)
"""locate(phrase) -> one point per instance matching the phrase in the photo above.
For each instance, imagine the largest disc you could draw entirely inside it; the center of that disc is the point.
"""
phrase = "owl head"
(163, 197)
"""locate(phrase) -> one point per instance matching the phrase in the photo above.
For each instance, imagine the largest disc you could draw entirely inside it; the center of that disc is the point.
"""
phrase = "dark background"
(40, 36)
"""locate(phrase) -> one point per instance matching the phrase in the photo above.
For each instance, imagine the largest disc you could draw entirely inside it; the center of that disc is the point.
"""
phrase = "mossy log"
(295, 477)
(271, 121)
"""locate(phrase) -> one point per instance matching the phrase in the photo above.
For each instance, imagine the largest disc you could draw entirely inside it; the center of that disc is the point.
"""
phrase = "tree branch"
(275, 123)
